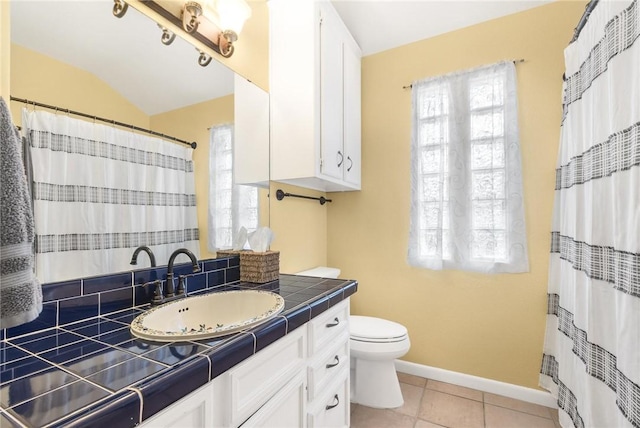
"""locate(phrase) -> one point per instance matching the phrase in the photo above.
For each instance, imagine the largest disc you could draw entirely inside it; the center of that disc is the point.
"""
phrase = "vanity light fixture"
(224, 21)
(228, 15)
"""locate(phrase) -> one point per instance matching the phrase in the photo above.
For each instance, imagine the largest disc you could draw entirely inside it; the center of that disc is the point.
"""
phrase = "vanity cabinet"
(315, 87)
(298, 381)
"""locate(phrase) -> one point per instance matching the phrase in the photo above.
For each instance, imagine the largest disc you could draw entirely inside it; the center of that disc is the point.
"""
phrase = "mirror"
(77, 55)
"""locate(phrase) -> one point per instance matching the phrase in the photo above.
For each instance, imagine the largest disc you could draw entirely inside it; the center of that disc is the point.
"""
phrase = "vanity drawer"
(332, 409)
(326, 366)
(255, 381)
(327, 326)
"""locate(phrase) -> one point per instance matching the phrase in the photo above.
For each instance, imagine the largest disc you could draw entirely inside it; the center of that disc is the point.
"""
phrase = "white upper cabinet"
(314, 97)
(251, 134)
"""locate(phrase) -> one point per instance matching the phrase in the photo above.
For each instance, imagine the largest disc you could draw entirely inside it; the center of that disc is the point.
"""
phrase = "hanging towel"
(20, 291)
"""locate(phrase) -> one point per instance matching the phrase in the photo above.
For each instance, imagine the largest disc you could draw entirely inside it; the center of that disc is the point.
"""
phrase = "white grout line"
(137, 391)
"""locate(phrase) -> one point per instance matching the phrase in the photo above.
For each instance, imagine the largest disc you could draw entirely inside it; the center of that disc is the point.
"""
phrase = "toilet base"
(375, 384)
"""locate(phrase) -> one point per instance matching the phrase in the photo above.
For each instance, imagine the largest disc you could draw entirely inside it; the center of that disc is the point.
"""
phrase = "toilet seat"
(376, 330)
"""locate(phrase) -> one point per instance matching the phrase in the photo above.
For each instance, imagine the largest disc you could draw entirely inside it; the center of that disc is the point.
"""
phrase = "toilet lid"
(375, 329)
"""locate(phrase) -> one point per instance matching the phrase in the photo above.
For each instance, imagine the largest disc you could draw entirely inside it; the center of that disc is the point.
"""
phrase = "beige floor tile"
(412, 396)
(501, 417)
(450, 410)
(521, 406)
(460, 391)
(424, 424)
(366, 417)
(411, 379)
(353, 407)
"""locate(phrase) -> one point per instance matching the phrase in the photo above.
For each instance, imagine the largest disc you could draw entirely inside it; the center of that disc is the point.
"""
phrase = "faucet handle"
(157, 294)
(180, 289)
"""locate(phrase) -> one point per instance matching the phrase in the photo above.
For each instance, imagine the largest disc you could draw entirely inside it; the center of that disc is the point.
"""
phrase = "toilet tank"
(321, 272)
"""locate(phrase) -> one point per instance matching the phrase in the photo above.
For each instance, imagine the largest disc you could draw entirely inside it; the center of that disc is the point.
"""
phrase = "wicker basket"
(257, 267)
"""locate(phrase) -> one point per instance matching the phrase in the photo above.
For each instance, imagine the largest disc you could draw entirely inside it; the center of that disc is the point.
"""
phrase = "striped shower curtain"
(99, 192)
(591, 358)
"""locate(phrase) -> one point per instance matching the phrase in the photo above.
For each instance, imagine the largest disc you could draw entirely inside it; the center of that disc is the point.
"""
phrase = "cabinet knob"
(337, 401)
(341, 158)
(337, 361)
(335, 322)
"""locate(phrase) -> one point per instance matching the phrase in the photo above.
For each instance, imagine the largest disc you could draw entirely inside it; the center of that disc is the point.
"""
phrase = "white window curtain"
(466, 182)
(100, 192)
(231, 206)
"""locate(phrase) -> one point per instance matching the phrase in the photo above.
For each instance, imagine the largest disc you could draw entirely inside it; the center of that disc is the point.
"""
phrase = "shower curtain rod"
(583, 19)
(110, 121)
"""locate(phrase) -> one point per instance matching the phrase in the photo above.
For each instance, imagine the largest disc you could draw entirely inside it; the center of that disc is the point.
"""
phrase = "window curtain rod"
(583, 20)
(515, 61)
(110, 121)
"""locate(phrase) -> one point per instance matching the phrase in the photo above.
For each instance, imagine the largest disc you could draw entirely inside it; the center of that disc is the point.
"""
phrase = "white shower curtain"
(99, 192)
(591, 356)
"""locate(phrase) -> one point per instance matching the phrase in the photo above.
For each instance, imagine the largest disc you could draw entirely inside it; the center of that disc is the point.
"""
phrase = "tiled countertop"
(95, 373)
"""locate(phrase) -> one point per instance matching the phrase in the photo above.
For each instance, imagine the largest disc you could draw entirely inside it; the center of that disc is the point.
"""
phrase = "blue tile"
(48, 318)
(116, 337)
(138, 346)
(29, 387)
(117, 300)
(101, 360)
(318, 306)
(79, 308)
(230, 353)
(21, 368)
(126, 373)
(234, 261)
(47, 340)
(215, 278)
(99, 284)
(95, 327)
(7, 422)
(298, 317)
(159, 392)
(121, 410)
(335, 297)
(210, 265)
(61, 290)
(10, 353)
(58, 403)
(143, 294)
(174, 353)
(232, 274)
(124, 317)
(73, 352)
(269, 332)
(196, 282)
(350, 289)
(182, 268)
(148, 275)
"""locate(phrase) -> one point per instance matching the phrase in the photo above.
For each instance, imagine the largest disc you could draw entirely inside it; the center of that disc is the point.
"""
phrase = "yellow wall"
(485, 325)
(68, 87)
(5, 49)
(300, 229)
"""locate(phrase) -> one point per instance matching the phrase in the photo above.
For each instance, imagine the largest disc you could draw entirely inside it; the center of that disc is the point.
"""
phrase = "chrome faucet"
(134, 257)
(180, 289)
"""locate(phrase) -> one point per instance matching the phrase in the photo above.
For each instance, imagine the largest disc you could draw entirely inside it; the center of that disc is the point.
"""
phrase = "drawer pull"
(331, 406)
(337, 361)
(335, 322)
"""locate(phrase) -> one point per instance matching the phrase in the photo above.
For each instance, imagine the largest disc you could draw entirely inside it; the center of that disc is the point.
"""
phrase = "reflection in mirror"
(86, 60)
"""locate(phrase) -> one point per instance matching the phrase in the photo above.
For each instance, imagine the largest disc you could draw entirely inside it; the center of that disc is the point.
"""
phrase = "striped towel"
(20, 291)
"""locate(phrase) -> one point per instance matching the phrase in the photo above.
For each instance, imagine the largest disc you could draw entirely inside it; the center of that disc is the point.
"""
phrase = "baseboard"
(529, 395)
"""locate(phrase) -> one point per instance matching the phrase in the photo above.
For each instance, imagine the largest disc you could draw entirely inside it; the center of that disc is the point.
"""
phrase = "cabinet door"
(352, 116)
(285, 409)
(194, 411)
(331, 96)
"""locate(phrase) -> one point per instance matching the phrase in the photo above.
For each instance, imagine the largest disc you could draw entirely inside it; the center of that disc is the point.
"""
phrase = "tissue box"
(258, 267)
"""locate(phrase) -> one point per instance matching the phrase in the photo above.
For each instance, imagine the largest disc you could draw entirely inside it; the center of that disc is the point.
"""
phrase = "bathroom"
(464, 327)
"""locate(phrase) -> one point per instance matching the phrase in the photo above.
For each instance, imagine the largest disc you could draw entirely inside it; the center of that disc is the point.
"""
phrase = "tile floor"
(430, 404)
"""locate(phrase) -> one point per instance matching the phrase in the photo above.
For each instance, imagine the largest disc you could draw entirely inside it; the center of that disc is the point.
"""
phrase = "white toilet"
(374, 343)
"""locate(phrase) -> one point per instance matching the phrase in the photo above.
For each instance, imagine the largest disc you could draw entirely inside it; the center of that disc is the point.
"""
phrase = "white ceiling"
(127, 53)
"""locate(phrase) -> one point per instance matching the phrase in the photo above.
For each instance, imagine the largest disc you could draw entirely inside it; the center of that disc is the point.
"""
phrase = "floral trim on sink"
(138, 328)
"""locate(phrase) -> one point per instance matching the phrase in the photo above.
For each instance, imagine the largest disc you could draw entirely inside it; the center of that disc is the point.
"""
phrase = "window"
(231, 206)
(466, 204)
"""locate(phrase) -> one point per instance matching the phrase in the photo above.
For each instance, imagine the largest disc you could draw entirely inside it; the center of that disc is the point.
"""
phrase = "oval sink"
(211, 315)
